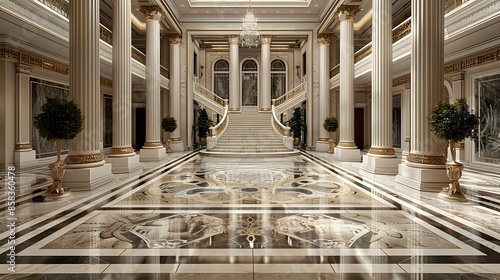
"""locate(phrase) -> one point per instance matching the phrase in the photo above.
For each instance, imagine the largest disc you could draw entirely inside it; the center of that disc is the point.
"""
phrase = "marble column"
(346, 149)
(24, 155)
(424, 167)
(324, 91)
(86, 168)
(406, 120)
(122, 156)
(234, 73)
(381, 157)
(458, 92)
(153, 149)
(265, 73)
(175, 91)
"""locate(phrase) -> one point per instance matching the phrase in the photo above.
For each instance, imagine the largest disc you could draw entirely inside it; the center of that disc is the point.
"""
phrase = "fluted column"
(458, 92)
(324, 91)
(346, 149)
(151, 149)
(381, 158)
(175, 90)
(122, 156)
(84, 88)
(265, 73)
(24, 155)
(424, 166)
(406, 119)
(234, 73)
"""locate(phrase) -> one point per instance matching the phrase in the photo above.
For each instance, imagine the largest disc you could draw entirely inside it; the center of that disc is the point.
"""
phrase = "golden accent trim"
(153, 144)
(121, 151)
(401, 31)
(478, 59)
(363, 52)
(403, 80)
(175, 139)
(23, 69)
(24, 146)
(458, 77)
(346, 144)
(151, 12)
(348, 11)
(81, 159)
(234, 109)
(265, 109)
(104, 82)
(31, 59)
(175, 39)
(426, 159)
(382, 151)
(323, 139)
(324, 39)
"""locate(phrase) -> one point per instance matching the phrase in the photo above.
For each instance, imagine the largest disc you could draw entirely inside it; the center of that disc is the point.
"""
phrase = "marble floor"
(303, 217)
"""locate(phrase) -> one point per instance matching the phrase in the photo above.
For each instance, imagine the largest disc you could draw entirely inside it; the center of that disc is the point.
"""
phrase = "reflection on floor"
(254, 218)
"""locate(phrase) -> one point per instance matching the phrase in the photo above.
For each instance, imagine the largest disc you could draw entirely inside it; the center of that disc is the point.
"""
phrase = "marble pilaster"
(424, 167)
(346, 149)
(122, 156)
(265, 73)
(24, 155)
(381, 157)
(324, 91)
(234, 73)
(153, 149)
(175, 91)
(86, 168)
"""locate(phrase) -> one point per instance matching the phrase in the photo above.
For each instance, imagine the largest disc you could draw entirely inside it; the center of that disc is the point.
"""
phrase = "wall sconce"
(201, 71)
(298, 71)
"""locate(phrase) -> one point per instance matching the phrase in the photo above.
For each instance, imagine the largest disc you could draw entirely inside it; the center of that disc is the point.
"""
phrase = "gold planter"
(57, 172)
(169, 145)
(330, 146)
(454, 172)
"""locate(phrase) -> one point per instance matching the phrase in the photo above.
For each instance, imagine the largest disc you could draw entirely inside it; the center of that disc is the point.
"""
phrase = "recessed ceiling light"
(277, 12)
(263, 12)
(316, 5)
(206, 12)
(291, 12)
(182, 5)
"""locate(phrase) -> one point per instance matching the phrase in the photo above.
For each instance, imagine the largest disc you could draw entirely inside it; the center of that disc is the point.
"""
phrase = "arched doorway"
(249, 83)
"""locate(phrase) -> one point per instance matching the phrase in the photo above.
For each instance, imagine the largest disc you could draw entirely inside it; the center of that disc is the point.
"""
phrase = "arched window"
(278, 78)
(221, 78)
(249, 85)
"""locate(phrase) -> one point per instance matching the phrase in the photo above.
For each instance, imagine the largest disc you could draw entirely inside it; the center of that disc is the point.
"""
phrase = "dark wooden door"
(140, 127)
(359, 127)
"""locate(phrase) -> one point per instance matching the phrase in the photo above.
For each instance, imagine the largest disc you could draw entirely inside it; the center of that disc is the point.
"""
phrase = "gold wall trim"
(458, 77)
(23, 69)
(120, 151)
(25, 146)
(265, 109)
(404, 80)
(478, 59)
(426, 159)
(81, 159)
(27, 58)
(382, 151)
(234, 109)
(104, 82)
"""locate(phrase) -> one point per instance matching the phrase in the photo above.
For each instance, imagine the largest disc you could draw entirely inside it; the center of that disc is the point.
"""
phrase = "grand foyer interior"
(270, 210)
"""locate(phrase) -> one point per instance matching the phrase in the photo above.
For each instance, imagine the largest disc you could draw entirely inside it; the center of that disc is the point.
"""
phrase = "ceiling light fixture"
(249, 35)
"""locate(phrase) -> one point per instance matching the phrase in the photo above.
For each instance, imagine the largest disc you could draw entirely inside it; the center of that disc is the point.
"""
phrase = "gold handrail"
(290, 94)
(209, 94)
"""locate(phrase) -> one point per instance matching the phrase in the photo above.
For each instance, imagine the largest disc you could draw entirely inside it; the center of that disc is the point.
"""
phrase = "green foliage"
(203, 123)
(296, 122)
(453, 121)
(169, 124)
(59, 119)
(330, 124)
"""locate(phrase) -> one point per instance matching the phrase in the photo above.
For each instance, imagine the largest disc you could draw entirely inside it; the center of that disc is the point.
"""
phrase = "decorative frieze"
(402, 30)
(458, 77)
(121, 151)
(24, 146)
(31, 59)
(482, 58)
(106, 82)
(404, 80)
(82, 159)
(426, 159)
(23, 69)
(382, 151)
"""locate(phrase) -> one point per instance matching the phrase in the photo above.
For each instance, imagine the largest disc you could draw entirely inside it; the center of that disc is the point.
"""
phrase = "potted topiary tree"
(60, 119)
(330, 124)
(202, 125)
(297, 125)
(453, 122)
(169, 124)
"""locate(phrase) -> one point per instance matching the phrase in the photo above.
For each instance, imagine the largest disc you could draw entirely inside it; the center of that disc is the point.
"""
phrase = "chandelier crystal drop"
(249, 35)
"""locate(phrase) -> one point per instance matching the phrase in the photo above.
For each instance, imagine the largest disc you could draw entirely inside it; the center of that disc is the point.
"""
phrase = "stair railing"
(280, 129)
(291, 99)
(208, 98)
(217, 130)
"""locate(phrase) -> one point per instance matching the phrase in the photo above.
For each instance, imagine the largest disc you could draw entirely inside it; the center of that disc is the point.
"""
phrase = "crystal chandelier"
(249, 35)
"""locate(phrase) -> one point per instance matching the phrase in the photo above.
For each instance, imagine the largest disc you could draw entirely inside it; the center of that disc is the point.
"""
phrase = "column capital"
(233, 39)
(175, 39)
(23, 69)
(152, 12)
(348, 12)
(266, 39)
(324, 39)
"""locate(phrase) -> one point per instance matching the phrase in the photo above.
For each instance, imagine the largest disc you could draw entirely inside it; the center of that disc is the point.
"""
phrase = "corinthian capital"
(348, 12)
(151, 12)
(324, 39)
(174, 39)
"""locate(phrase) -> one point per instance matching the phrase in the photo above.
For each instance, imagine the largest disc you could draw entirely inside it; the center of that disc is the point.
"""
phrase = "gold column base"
(152, 145)
(343, 144)
(382, 151)
(82, 159)
(121, 151)
(426, 159)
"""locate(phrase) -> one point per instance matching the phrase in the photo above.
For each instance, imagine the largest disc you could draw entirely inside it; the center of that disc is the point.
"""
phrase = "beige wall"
(7, 112)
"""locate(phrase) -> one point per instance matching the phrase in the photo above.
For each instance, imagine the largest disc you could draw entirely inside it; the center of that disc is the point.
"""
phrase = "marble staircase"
(250, 132)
